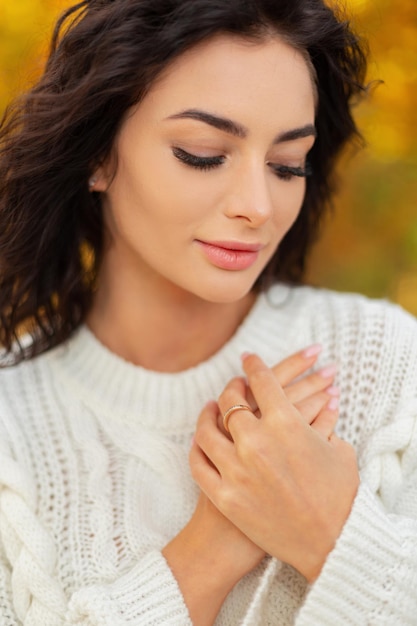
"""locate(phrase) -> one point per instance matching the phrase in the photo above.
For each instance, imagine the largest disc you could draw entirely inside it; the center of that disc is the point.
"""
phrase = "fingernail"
(333, 391)
(329, 371)
(245, 355)
(333, 404)
(313, 350)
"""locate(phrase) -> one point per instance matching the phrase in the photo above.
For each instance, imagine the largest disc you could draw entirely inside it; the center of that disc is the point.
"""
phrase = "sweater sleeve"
(370, 578)
(147, 595)
(30, 592)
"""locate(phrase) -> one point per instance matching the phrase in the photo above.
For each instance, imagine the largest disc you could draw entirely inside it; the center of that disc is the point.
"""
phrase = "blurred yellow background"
(370, 242)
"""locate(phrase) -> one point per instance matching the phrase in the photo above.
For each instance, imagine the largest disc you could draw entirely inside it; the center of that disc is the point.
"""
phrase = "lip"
(231, 255)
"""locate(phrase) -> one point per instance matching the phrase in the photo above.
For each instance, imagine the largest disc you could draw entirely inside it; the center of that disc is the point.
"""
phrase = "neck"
(158, 325)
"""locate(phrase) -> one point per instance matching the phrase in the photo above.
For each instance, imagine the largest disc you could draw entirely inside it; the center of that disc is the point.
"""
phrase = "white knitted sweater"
(94, 477)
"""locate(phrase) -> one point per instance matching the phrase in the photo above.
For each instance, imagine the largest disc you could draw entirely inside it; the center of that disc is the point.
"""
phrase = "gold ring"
(235, 407)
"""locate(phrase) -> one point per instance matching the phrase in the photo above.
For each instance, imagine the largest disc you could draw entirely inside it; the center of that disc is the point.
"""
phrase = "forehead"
(230, 75)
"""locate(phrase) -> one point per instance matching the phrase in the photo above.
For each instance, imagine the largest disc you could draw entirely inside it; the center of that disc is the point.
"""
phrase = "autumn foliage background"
(370, 243)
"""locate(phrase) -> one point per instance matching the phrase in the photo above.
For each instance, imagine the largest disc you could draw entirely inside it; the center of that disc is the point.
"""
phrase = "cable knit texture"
(94, 477)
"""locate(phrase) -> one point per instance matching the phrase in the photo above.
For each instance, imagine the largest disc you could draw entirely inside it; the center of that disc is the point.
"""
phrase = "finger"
(326, 420)
(234, 395)
(296, 364)
(304, 390)
(205, 475)
(219, 418)
(312, 406)
(268, 393)
(208, 437)
(318, 381)
(250, 400)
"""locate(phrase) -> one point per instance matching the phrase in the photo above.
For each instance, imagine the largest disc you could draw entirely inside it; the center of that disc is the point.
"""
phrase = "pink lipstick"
(230, 255)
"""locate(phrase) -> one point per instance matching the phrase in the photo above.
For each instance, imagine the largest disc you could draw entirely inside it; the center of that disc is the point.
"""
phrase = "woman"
(160, 190)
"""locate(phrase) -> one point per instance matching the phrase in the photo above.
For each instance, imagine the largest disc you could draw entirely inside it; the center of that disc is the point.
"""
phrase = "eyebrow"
(234, 128)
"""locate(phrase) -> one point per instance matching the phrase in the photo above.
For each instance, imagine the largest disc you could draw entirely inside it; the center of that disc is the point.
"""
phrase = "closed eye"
(198, 162)
(204, 163)
(287, 173)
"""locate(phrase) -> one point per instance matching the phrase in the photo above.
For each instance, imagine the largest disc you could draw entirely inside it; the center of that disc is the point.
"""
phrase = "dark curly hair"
(104, 57)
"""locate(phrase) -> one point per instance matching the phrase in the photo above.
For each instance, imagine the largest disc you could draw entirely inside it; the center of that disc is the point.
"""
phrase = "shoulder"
(373, 342)
(358, 325)
(14, 379)
(301, 296)
(25, 393)
(345, 316)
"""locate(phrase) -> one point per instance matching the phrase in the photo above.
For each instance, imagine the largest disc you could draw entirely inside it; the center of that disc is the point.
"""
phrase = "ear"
(98, 181)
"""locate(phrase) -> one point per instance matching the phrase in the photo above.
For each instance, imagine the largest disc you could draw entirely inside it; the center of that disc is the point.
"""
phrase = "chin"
(225, 292)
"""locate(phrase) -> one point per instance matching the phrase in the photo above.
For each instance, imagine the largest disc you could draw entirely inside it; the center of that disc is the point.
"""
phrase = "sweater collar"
(169, 401)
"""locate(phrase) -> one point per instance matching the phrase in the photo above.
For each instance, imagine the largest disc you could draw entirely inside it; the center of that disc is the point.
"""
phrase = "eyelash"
(200, 163)
(286, 172)
(283, 172)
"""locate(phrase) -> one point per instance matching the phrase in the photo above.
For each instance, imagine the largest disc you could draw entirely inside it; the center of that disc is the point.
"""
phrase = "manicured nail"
(333, 391)
(329, 371)
(312, 351)
(333, 404)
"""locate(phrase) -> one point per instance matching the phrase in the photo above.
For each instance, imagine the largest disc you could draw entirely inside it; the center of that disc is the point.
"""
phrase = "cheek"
(299, 199)
(179, 195)
(288, 201)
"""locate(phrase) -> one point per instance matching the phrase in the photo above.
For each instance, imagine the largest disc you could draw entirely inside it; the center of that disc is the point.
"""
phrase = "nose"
(250, 197)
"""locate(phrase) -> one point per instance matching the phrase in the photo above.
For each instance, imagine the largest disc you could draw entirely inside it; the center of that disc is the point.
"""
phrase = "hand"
(210, 555)
(287, 485)
(312, 394)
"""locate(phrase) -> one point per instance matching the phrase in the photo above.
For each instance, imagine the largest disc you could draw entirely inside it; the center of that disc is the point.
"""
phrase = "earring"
(92, 183)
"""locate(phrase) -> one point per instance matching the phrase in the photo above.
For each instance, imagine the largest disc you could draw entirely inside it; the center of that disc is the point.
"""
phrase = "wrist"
(208, 557)
(205, 579)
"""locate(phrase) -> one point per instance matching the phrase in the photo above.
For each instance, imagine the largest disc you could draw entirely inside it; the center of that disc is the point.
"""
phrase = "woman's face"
(210, 167)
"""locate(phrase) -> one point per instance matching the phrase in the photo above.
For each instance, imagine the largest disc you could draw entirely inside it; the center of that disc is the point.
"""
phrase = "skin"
(210, 555)
(164, 304)
(157, 207)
